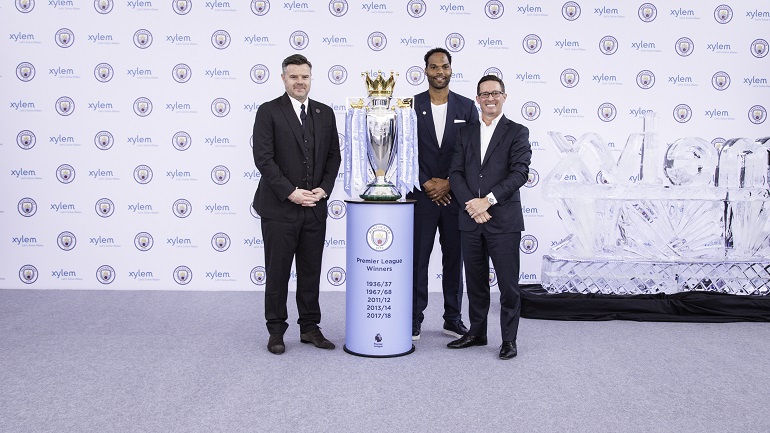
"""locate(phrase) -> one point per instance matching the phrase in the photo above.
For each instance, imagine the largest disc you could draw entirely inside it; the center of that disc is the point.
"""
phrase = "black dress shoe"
(275, 344)
(317, 339)
(467, 341)
(508, 350)
(455, 329)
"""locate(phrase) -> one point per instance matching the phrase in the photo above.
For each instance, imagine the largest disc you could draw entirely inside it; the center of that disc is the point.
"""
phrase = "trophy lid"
(379, 87)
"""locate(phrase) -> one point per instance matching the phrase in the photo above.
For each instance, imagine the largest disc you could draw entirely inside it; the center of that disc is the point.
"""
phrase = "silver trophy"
(381, 136)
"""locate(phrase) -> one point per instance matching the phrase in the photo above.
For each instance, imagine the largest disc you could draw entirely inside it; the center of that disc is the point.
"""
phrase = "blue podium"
(378, 301)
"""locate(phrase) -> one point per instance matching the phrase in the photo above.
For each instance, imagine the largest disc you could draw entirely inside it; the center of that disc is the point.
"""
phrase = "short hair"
(490, 77)
(437, 50)
(295, 59)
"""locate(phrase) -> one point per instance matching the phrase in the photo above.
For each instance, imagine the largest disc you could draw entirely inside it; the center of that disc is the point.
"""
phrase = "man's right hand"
(304, 197)
(438, 191)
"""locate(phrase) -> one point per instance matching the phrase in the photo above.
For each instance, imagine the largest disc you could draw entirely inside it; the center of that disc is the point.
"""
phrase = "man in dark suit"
(490, 165)
(440, 113)
(296, 150)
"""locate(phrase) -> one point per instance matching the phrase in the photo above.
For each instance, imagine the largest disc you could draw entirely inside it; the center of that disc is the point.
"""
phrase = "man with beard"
(297, 152)
(440, 113)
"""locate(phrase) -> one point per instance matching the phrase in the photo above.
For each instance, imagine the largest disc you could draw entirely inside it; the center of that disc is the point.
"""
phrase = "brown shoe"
(317, 339)
(275, 344)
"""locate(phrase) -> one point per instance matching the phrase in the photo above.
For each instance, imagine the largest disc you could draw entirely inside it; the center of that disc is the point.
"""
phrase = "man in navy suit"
(440, 113)
(490, 165)
(296, 150)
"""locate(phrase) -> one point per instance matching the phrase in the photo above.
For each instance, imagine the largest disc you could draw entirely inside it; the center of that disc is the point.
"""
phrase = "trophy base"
(380, 192)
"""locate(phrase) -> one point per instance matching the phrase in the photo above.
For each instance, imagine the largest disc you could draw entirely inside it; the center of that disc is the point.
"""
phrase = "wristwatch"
(491, 199)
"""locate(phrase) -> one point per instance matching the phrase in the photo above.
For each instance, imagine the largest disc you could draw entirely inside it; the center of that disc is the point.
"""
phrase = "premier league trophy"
(380, 130)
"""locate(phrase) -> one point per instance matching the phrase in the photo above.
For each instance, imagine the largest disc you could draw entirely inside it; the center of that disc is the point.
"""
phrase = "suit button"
(481, 175)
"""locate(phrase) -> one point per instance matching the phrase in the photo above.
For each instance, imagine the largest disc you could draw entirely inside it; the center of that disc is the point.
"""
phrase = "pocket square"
(459, 121)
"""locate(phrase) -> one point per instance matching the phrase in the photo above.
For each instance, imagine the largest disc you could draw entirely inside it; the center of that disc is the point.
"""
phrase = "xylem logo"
(416, 8)
(756, 81)
(211, 141)
(141, 275)
(63, 207)
(604, 78)
(137, 140)
(217, 73)
(254, 242)
(100, 106)
(636, 112)
(719, 47)
(180, 242)
(179, 174)
(492, 43)
(529, 10)
(717, 113)
(139, 73)
(22, 172)
(22, 37)
(644, 46)
(758, 15)
(294, 5)
(335, 41)
(681, 80)
(217, 208)
(139, 4)
(566, 44)
(217, 5)
(451, 8)
(63, 274)
(682, 13)
(566, 112)
(340, 243)
(605, 11)
(528, 277)
(101, 241)
(178, 39)
(217, 275)
(257, 40)
(252, 175)
(411, 41)
(101, 174)
(24, 240)
(22, 105)
(100, 38)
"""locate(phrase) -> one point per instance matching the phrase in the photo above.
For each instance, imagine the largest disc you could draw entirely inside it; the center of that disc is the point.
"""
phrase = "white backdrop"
(125, 143)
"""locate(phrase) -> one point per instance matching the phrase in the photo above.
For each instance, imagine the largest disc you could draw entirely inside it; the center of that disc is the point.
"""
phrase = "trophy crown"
(380, 86)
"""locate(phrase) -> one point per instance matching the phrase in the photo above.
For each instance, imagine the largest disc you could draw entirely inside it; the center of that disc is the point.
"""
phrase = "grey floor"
(101, 361)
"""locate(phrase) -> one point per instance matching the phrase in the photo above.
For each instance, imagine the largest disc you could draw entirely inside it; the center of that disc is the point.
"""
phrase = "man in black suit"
(440, 113)
(296, 150)
(490, 165)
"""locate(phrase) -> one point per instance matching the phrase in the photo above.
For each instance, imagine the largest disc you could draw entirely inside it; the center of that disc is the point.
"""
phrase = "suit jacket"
(434, 160)
(504, 170)
(279, 157)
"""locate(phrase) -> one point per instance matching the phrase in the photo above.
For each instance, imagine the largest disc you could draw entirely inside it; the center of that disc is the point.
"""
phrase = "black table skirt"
(536, 303)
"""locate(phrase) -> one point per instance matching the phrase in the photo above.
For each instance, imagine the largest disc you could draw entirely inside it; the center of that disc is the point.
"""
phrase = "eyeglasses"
(495, 94)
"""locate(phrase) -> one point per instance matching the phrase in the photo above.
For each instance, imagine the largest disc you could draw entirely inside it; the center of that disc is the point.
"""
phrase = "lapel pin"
(423, 113)
(317, 110)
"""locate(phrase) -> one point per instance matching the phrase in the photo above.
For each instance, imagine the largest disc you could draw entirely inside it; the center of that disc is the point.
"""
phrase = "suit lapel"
(318, 123)
(291, 118)
(475, 131)
(427, 114)
(502, 126)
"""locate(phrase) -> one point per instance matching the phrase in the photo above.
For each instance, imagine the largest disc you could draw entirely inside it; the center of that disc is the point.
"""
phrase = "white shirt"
(439, 120)
(298, 107)
(486, 134)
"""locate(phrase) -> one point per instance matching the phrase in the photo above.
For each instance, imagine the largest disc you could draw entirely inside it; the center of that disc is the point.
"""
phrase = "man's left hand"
(477, 206)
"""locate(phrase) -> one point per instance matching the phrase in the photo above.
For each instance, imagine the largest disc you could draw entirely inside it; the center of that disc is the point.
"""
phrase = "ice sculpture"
(660, 220)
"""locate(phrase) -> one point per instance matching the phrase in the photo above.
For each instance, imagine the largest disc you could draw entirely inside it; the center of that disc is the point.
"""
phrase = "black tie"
(302, 115)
